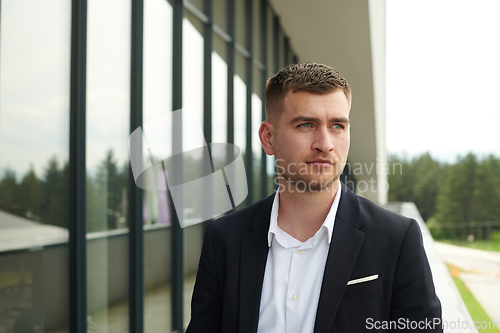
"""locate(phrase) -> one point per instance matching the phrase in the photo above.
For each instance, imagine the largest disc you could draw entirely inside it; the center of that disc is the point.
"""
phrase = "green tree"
(55, 194)
(96, 206)
(486, 190)
(455, 199)
(426, 177)
(52, 176)
(30, 195)
(9, 193)
(400, 179)
(112, 183)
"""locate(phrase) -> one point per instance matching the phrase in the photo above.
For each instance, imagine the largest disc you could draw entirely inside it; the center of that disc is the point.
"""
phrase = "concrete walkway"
(481, 276)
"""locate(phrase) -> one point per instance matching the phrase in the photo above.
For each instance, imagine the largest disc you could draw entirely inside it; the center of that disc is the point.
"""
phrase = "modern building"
(82, 248)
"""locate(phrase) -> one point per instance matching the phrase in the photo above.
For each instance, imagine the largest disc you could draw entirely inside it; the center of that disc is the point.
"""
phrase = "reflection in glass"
(241, 23)
(271, 66)
(192, 115)
(240, 94)
(219, 98)
(272, 181)
(281, 43)
(192, 83)
(290, 56)
(240, 110)
(194, 204)
(108, 114)
(199, 4)
(257, 38)
(256, 145)
(257, 98)
(34, 127)
(220, 10)
(157, 100)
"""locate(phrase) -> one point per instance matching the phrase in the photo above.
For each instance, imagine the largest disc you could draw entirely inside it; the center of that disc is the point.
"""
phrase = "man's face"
(311, 139)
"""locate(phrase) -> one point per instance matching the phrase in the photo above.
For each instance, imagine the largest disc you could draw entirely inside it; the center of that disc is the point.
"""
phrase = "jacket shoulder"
(241, 222)
(375, 216)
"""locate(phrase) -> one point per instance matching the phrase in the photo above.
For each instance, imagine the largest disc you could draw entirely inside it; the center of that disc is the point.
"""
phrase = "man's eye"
(305, 125)
(338, 126)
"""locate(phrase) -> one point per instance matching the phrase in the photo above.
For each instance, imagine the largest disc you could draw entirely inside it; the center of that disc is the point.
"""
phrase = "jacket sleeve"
(414, 300)
(206, 304)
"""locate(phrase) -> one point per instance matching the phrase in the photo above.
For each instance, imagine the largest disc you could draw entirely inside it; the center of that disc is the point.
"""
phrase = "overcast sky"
(443, 77)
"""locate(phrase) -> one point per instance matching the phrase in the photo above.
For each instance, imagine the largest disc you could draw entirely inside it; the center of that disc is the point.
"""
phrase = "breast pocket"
(363, 288)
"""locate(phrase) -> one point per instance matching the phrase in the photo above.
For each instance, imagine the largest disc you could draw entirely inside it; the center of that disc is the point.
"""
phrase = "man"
(314, 257)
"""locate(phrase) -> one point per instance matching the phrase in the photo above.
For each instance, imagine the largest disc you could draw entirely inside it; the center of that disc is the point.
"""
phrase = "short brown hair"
(315, 78)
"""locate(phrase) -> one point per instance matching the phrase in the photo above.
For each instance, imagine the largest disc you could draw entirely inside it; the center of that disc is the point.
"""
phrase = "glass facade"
(82, 248)
(157, 100)
(34, 137)
(107, 127)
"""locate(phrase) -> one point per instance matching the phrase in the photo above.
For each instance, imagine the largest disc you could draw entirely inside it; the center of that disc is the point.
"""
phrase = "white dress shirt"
(293, 276)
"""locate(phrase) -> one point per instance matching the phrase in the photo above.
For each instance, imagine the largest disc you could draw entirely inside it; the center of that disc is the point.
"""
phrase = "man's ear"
(266, 132)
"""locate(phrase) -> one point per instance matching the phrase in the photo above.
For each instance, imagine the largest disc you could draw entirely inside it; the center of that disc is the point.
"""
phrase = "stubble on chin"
(307, 183)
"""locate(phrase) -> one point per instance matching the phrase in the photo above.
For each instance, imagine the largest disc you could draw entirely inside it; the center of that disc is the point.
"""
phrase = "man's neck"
(301, 214)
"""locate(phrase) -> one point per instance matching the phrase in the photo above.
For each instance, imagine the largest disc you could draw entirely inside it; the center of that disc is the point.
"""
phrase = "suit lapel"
(344, 249)
(254, 250)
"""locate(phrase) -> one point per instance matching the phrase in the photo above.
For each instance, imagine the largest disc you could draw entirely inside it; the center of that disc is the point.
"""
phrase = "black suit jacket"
(366, 240)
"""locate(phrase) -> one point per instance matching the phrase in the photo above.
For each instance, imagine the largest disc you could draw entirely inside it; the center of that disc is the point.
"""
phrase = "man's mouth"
(320, 162)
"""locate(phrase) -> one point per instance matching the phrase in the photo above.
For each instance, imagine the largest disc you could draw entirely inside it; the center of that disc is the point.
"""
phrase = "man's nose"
(323, 140)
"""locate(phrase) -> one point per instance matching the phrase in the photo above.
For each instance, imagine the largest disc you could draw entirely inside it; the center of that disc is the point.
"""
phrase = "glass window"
(257, 38)
(219, 91)
(157, 89)
(193, 140)
(34, 140)
(220, 14)
(197, 3)
(195, 153)
(271, 67)
(108, 114)
(287, 55)
(272, 179)
(157, 102)
(281, 41)
(240, 113)
(241, 23)
(256, 121)
(290, 55)
(271, 70)
(192, 83)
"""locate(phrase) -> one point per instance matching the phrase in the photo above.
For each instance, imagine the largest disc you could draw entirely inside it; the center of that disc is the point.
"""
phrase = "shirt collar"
(328, 223)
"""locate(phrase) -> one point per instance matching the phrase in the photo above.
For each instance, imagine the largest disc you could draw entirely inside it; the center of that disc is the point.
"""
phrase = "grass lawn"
(479, 244)
(475, 309)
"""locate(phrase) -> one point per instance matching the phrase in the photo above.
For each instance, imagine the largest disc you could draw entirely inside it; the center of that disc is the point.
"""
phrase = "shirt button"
(300, 252)
(293, 297)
